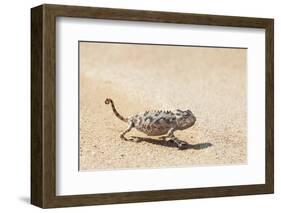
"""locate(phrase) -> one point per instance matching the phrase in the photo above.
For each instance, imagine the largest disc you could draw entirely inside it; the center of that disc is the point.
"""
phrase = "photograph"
(146, 106)
(140, 105)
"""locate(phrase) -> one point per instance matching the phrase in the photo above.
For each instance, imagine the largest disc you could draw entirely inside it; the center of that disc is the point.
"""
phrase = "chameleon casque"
(157, 123)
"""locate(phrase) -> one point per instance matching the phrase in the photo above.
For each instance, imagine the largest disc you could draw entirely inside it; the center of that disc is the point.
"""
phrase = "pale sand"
(211, 82)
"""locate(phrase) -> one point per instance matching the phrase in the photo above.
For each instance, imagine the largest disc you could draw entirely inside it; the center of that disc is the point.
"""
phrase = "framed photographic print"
(136, 106)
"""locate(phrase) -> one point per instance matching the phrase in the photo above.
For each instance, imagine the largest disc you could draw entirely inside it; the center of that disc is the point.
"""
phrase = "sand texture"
(211, 82)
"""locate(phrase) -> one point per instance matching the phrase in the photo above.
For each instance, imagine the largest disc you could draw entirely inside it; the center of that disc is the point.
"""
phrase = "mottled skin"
(157, 123)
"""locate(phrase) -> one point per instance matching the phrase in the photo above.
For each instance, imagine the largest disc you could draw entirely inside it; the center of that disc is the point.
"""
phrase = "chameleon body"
(157, 123)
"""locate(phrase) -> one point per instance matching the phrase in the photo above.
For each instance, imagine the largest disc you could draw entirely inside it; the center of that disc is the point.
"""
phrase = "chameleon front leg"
(170, 135)
(122, 135)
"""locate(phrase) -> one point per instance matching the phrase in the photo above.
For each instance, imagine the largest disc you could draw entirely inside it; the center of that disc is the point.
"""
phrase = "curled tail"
(109, 101)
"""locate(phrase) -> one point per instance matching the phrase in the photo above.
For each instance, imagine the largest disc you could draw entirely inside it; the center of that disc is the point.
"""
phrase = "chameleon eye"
(188, 112)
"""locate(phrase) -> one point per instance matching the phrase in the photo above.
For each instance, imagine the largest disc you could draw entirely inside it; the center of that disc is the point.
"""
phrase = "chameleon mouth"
(192, 120)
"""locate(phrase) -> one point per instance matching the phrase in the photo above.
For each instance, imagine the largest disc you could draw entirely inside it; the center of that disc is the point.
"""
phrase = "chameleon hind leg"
(122, 135)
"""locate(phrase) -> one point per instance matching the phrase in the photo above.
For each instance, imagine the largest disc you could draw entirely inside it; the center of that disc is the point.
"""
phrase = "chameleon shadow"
(172, 144)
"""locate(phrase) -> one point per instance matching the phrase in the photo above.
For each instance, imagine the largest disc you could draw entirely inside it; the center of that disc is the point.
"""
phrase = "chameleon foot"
(135, 139)
(180, 144)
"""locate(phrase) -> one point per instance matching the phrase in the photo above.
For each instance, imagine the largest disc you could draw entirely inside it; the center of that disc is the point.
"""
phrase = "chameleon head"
(185, 119)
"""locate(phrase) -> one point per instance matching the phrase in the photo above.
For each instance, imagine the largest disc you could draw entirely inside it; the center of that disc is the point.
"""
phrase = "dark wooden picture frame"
(43, 105)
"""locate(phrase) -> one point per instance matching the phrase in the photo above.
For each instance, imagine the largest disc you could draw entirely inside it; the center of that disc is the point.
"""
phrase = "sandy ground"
(211, 82)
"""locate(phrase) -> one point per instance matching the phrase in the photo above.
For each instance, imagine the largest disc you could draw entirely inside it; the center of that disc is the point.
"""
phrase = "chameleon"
(157, 123)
